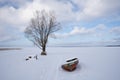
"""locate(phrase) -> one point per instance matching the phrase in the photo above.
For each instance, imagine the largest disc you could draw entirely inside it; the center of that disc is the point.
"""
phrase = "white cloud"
(87, 10)
(115, 30)
(92, 9)
(94, 31)
(14, 3)
(9, 38)
(117, 40)
(82, 30)
(6, 35)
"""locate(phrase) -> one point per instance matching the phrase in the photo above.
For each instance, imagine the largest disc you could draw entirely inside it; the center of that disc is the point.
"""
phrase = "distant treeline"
(2, 49)
(113, 46)
(89, 46)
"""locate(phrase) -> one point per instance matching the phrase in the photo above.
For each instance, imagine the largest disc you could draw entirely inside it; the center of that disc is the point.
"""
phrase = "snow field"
(95, 63)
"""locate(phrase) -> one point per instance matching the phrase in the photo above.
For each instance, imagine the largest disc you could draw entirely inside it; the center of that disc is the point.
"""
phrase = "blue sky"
(82, 21)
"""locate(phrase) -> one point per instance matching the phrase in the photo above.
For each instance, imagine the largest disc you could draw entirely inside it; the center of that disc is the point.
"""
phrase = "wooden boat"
(71, 64)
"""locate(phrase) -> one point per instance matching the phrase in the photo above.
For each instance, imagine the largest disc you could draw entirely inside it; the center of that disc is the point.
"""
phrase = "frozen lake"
(96, 63)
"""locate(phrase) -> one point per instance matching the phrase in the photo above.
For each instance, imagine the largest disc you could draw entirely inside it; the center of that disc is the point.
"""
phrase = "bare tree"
(41, 26)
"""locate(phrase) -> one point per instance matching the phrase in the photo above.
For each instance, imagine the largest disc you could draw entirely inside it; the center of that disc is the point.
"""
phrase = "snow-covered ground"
(96, 63)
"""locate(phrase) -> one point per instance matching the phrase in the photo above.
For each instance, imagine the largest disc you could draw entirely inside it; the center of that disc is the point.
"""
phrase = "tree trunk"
(43, 50)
